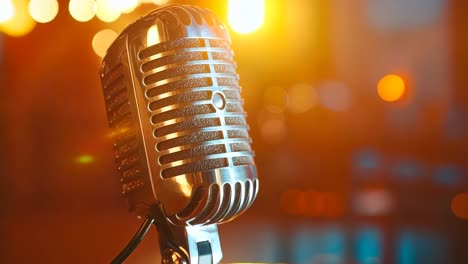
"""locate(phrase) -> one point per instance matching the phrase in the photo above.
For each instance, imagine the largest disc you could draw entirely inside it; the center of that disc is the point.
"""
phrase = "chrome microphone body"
(182, 146)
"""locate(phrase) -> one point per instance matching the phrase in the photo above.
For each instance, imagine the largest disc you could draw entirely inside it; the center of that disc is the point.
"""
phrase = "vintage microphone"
(182, 147)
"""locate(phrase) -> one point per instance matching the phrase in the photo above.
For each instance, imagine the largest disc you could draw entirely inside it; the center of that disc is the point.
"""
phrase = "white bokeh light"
(82, 10)
(43, 11)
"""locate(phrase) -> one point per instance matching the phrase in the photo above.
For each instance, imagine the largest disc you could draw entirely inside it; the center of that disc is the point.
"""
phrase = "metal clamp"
(187, 244)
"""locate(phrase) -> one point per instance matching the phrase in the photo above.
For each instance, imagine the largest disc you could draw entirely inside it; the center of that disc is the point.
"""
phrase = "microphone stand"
(178, 244)
(187, 244)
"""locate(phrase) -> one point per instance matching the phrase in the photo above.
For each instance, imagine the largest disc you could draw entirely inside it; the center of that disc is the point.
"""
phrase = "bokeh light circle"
(301, 98)
(275, 99)
(21, 23)
(125, 6)
(391, 88)
(156, 2)
(459, 205)
(334, 95)
(7, 11)
(82, 10)
(102, 40)
(106, 11)
(43, 11)
(246, 16)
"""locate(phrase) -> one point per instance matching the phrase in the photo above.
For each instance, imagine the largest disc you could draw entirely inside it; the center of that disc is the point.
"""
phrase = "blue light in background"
(318, 245)
(386, 15)
(368, 245)
(448, 175)
(407, 170)
(366, 159)
(260, 242)
(414, 247)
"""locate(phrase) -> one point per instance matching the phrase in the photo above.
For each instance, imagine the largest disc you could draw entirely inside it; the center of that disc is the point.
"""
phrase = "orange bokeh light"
(313, 203)
(391, 88)
(20, 23)
(292, 202)
(460, 205)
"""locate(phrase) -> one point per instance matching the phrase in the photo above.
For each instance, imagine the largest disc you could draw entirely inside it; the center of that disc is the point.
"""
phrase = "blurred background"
(358, 111)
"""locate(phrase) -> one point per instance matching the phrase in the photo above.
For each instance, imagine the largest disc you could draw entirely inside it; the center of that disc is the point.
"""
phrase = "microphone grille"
(195, 106)
(174, 104)
(127, 158)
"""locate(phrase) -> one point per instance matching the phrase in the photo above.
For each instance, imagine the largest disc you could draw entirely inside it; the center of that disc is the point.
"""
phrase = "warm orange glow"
(391, 88)
(118, 133)
(330, 204)
(123, 6)
(373, 202)
(21, 23)
(102, 40)
(460, 205)
(275, 99)
(246, 16)
(156, 2)
(7, 11)
(43, 11)
(313, 203)
(82, 10)
(273, 129)
(292, 202)
(301, 98)
(106, 11)
(84, 159)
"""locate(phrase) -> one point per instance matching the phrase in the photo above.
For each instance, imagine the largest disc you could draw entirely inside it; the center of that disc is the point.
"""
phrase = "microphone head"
(173, 103)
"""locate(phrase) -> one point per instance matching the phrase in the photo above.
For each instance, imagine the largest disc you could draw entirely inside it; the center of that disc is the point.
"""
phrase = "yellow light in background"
(275, 99)
(246, 16)
(102, 40)
(391, 88)
(106, 11)
(82, 10)
(21, 23)
(84, 159)
(124, 6)
(156, 2)
(273, 130)
(301, 98)
(7, 10)
(43, 11)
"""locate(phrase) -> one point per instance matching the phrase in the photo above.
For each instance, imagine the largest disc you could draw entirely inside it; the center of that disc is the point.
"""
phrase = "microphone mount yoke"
(186, 244)
(178, 244)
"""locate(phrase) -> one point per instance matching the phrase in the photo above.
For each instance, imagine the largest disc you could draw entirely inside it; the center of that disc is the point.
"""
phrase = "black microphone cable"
(137, 238)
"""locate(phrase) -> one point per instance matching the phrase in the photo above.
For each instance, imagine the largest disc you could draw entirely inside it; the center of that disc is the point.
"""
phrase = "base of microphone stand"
(187, 244)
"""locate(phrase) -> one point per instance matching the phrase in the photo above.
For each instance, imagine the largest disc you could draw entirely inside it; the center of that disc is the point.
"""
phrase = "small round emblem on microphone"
(219, 101)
